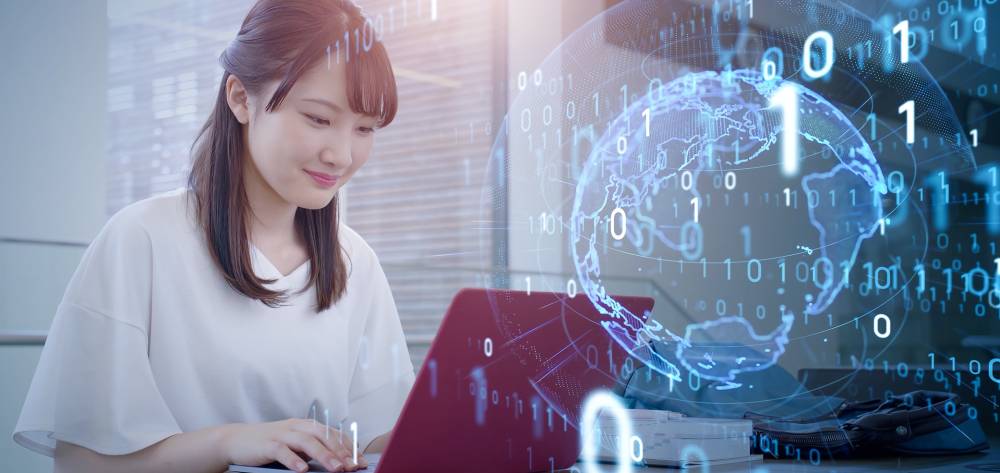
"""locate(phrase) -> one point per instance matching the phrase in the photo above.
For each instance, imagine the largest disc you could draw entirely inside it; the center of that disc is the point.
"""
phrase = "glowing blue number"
(828, 57)
(888, 326)
(787, 97)
(687, 180)
(611, 224)
(903, 28)
(772, 68)
(745, 231)
(609, 403)
(691, 240)
(729, 180)
(768, 69)
(940, 200)
(989, 177)
(637, 450)
(908, 108)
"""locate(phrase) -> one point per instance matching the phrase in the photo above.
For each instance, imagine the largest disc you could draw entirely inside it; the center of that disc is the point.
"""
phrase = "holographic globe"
(645, 156)
(643, 185)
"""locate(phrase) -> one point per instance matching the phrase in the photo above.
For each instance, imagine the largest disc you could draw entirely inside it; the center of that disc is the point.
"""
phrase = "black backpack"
(790, 422)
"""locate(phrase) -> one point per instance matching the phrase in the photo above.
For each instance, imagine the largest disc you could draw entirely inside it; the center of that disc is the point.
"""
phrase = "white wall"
(52, 148)
(535, 30)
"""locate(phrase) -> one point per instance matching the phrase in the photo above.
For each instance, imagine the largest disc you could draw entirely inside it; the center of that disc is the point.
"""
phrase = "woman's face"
(310, 145)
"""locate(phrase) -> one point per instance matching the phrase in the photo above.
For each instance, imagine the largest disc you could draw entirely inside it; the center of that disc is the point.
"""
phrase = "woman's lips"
(325, 181)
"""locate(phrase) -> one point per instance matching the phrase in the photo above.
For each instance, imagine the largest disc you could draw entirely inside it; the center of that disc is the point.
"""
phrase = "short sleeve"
(94, 385)
(383, 374)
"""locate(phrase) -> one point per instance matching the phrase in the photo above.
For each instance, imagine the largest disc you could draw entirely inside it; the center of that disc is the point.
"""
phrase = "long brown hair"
(280, 40)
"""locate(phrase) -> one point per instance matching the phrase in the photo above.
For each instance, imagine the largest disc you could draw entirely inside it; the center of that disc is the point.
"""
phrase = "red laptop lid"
(503, 383)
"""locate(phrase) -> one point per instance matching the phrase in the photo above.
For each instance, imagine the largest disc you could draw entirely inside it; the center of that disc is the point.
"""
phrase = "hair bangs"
(371, 85)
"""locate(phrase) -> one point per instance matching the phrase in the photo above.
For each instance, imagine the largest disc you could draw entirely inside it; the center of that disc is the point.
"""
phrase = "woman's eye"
(317, 120)
(366, 130)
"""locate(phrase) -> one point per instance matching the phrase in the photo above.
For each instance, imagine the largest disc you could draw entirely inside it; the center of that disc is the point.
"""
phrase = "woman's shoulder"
(163, 212)
(353, 243)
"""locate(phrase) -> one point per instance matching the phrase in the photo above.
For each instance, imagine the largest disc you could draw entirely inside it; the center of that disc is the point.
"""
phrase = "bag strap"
(917, 413)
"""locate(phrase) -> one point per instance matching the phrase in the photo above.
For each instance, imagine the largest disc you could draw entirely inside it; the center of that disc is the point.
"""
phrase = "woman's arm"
(196, 452)
(212, 450)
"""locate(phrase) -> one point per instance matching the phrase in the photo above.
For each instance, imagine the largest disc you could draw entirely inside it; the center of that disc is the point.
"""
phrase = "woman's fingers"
(335, 442)
(312, 446)
(287, 457)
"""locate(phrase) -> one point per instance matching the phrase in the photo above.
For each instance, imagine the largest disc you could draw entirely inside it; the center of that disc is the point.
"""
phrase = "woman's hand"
(285, 441)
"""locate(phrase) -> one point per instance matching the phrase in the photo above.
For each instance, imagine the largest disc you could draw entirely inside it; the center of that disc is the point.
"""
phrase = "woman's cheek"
(300, 145)
(294, 131)
(361, 158)
(362, 150)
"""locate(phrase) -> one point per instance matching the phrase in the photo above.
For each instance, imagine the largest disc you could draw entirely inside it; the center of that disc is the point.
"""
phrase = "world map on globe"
(643, 177)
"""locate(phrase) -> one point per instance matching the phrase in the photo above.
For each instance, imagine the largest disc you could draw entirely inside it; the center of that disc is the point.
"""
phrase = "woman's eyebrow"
(335, 107)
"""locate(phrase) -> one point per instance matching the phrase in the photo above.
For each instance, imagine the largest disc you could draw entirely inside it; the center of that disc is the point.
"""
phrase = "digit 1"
(945, 187)
(903, 28)
(975, 137)
(645, 114)
(694, 202)
(326, 422)
(907, 108)
(787, 97)
(354, 433)
(989, 177)
(745, 231)
(922, 279)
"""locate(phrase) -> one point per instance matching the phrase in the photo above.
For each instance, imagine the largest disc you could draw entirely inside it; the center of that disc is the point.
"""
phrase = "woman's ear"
(236, 96)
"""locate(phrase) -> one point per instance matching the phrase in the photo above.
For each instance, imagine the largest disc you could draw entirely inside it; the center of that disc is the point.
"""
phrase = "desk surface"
(989, 461)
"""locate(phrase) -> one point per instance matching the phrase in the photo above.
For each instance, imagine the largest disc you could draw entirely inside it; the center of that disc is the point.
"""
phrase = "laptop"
(502, 385)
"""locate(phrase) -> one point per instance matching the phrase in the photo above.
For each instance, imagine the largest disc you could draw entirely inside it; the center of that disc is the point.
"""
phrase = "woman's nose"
(337, 155)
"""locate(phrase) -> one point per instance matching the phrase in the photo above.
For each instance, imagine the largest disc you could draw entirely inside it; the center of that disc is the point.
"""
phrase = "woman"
(238, 320)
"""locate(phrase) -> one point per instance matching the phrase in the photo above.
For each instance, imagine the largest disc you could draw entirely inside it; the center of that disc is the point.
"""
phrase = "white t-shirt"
(150, 341)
